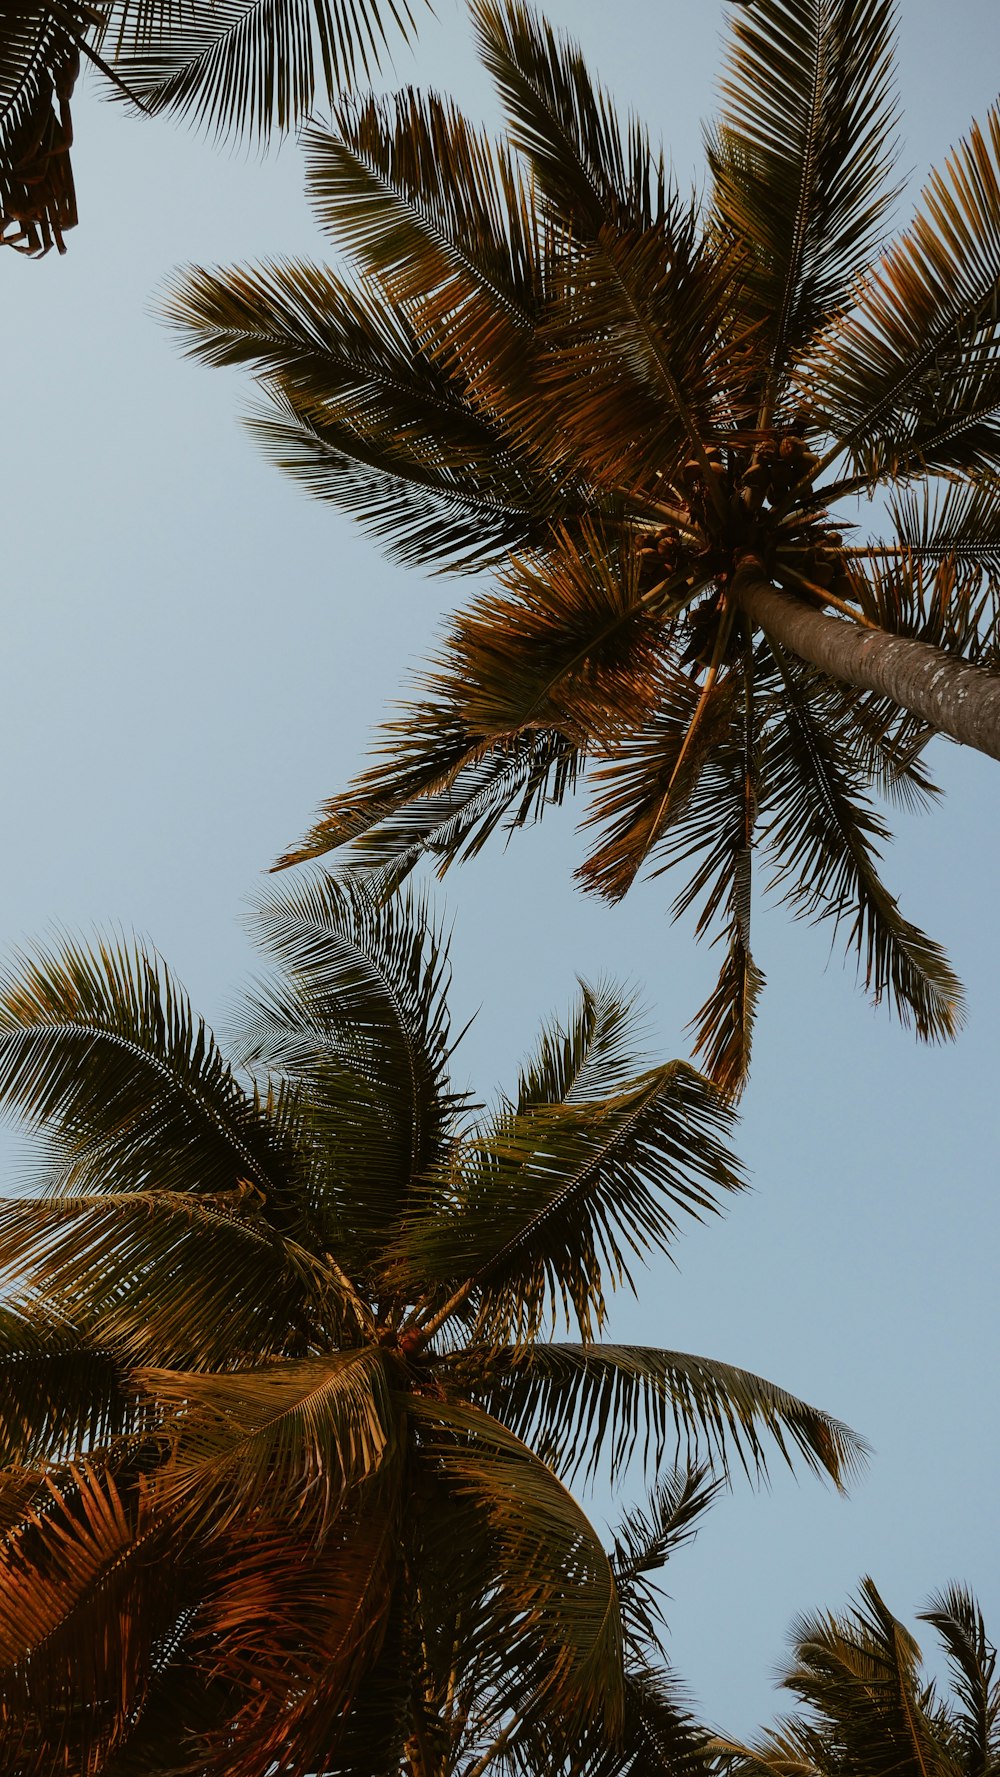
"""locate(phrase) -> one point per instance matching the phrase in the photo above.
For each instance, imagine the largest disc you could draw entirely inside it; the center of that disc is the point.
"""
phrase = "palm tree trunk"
(952, 696)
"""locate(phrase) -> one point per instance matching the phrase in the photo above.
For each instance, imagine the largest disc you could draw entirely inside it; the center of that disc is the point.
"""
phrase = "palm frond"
(426, 512)
(170, 1276)
(972, 1660)
(247, 67)
(292, 1439)
(955, 519)
(585, 1403)
(861, 1674)
(588, 169)
(78, 1613)
(97, 1044)
(371, 980)
(800, 161)
(644, 1539)
(589, 1059)
(823, 833)
(538, 1212)
(909, 378)
(545, 1585)
(441, 219)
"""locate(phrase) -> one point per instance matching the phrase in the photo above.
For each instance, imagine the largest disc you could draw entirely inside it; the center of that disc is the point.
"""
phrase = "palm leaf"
(77, 1615)
(544, 1580)
(972, 1659)
(440, 219)
(585, 1402)
(537, 1210)
(371, 981)
(169, 1276)
(293, 1438)
(821, 831)
(910, 377)
(249, 66)
(800, 160)
(421, 512)
(94, 1045)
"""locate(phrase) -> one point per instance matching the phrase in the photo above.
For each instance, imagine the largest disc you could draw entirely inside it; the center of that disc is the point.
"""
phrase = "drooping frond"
(824, 836)
(247, 67)
(544, 1584)
(909, 378)
(171, 1276)
(799, 163)
(587, 1403)
(102, 1049)
(293, 1439)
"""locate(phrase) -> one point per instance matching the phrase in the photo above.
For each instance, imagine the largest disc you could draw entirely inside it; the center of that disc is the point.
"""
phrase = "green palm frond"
(589, 1403)
(909, 378)
(589, 1059)
(539, 1211)
(800, 161)
(248, 67)
(644, 1538)
(556, 1590)
(295, 1439)
(372, 980)
(825, 836)
(94, 1045)
(169, 1272)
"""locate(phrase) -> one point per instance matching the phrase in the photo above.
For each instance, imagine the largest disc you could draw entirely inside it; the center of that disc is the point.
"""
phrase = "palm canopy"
(653, 418)
(240, 67)
(867, 1707)
(287, 1431)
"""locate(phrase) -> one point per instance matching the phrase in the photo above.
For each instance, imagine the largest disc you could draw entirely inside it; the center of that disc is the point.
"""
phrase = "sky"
(194, 654)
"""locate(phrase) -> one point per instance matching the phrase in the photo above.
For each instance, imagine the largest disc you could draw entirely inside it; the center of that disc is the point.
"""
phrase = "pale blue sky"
(194, 654)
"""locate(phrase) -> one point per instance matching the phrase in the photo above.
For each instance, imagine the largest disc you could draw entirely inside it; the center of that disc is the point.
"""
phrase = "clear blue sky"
(194, 654)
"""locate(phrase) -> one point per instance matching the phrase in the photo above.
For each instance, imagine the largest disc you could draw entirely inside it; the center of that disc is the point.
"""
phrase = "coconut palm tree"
(240, 67)
(738, 465)
(287, 1426)
(868, 1709)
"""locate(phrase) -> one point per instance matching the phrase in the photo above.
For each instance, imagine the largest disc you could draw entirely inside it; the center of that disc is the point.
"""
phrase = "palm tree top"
(654, 418)
(865, 1705)
(288, 1426)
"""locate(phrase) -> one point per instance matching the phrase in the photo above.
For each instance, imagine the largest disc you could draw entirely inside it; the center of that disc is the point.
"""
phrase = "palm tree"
(869, 1710)
(287, 1429)
(656, 419)
(234, 66)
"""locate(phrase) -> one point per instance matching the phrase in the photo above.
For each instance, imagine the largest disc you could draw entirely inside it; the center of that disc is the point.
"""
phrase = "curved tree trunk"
(952, 696)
